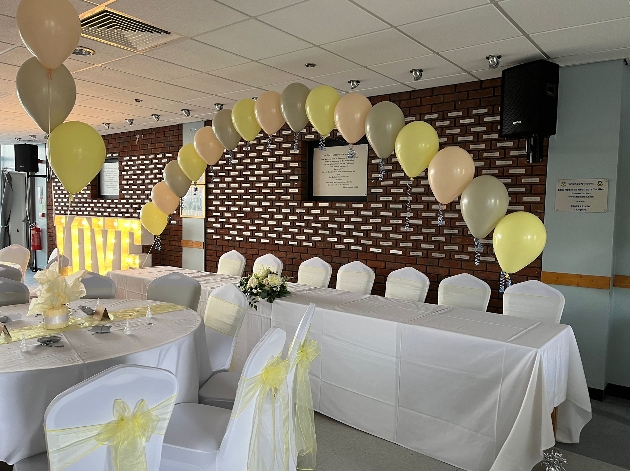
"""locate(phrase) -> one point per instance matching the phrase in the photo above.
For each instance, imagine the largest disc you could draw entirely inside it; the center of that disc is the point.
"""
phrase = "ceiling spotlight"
(32, 136)
(493, 61)
(46, 136)
(186, 112)
(218, 106)
(83, 51)
(137, 100)
(129, 121)
(18, 138)
(106, 125)
(156, 117)
(417, 74)
(254, 98)
(354, 84)
(309, 64)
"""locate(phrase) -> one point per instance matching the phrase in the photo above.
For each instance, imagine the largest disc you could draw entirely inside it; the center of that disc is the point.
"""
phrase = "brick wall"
(259, 204)
(142, 155)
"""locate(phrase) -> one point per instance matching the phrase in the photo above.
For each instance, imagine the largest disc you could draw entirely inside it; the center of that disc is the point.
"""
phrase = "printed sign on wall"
(586, 195)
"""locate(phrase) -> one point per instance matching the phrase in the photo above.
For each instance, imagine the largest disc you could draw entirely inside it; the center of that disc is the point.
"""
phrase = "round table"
(174, 341)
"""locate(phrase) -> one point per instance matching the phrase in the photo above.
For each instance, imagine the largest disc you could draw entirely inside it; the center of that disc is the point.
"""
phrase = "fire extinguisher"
(36, 238)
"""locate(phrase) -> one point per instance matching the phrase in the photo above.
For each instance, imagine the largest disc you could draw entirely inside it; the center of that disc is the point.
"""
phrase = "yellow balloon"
(190, 162)
(518, 239)
(244, 119)
(416, 144)
(320, 108)
(153, 219)
(77, 153)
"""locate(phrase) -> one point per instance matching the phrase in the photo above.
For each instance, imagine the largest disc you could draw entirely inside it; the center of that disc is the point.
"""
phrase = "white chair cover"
(208, 438)
(175, 288)
(74, 420)
(10, 273)
(314, 272)
(268, 261)
(16, 254)
(465, 291)
(53, 255)
(231, 263)
(407, 283)
(13, 292)
(65, 261)
(355, 277)
(98, 286)
(534, 300)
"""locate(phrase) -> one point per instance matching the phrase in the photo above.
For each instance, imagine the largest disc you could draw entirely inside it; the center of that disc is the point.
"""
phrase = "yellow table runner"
(36, 331)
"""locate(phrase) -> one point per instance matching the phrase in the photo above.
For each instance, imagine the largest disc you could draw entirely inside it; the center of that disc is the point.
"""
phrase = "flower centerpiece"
(264, 284)
(53, 295)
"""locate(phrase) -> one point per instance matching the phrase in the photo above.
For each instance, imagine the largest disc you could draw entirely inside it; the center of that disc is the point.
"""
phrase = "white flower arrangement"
(265, 284)
(56, 290)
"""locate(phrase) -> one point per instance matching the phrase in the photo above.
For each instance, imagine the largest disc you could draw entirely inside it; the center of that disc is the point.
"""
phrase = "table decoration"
(53, 295)
(264, 284)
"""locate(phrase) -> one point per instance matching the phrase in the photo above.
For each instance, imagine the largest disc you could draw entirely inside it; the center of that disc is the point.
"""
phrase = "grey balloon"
(293, 105)
(224, 129)
(382, 126)
(33, 87)
(176, 179)
(484, 202)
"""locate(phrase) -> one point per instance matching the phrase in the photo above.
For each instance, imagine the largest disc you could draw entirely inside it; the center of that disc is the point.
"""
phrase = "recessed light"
(83, 51)
(156, 117)
(218, 106)
(417, 74)
(129, 121)
(137, 100)
(186, 112)
(309, 64)
(354, 84)
(106, 125)
(493, 61)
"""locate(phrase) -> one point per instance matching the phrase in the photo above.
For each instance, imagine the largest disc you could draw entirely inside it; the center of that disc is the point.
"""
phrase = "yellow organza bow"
(269, 445)
(126, 435)
(305, 441)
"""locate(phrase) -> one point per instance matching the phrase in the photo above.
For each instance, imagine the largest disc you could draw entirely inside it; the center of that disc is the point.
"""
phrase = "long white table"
(473, 389)
(30, 380)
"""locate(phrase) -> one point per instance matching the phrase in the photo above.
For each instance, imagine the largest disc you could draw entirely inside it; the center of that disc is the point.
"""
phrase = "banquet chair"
(10, 273)
(175, 288)
(268, 261)
(65, 261)
(534, 300)
(465, 291)
(355, 277)
(98, 286)
(16, 254)
(13, 292)
(231, 263)
(220, 389)
(408, 284)
(73, 419)
(207, 438)
(314, 272)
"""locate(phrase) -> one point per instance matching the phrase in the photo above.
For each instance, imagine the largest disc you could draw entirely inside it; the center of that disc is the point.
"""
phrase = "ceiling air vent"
(117, 29)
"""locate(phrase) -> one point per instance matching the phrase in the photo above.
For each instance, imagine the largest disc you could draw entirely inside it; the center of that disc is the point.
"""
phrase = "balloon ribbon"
(408, 213)
(211, 174)
(504, 282)
(351, 152)
(440, 219)
(322, 143)
(230, 157)
(295, 142)
(381, 169)
(478, 250)
(268, 143)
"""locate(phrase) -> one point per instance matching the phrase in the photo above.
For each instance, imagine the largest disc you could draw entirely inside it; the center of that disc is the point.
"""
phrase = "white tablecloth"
(472, 389)
(29, 381)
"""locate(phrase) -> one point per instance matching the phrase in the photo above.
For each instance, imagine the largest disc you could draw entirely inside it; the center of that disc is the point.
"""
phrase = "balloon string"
(211, 174)
(504, 282)
(66, 231)
(246, 146)
(148, 253)
(351, 152)
(268, 143)
(381, 169)
(230, 158)
(440, 219)
(49, 80)
(408, 213)
(478, 249)
(322, 143)
(295, 141)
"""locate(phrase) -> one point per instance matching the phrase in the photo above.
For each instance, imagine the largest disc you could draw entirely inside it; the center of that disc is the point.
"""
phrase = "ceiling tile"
(103, 52)
(9, 31)
(105, 76)
(433, 66)
(255, 8)
(8, 71)
(623, 53)
(377, 48)
(7, 86)
(235, 96)
(323, 21)
(535, 16)
(512, 51)
(9, 7)
(150, 67)
(253, 39)
(148, 101)
(584, 39)
(188, 18)
(485, 74)
(399, 13)
(279, 87)
(196, 55)
(209, 84)
(368, 78)
(326, 62)
(469, 28)
(441, 81)
(207, 102)
(93, 89)
(170, 92)
(16, 56)
(255, 75)
(395, 88)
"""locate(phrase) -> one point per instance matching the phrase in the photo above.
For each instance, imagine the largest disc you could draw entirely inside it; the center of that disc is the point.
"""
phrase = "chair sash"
(126, 435)
(355, 281)
(305, 440)
(405, 288)
(269, 445)
(230, 266)
(224, 316)
(313, 276)
(465, 297)
(532, 306)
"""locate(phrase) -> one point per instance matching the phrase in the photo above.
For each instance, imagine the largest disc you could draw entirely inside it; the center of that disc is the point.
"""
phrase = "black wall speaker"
(529, 100)
(26, 158)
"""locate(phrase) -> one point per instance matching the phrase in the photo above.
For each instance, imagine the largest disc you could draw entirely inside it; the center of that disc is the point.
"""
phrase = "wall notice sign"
(334, 174)
(109, 179)
(587, 195)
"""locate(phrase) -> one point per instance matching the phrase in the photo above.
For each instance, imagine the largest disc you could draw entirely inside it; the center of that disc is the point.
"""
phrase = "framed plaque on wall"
(333, 176)
(109, 179)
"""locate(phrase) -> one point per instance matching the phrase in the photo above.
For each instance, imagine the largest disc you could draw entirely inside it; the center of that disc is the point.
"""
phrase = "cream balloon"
(47, 96)
(50, 29)
(176, 179)
(484, 202)
(224, 129)
(350, 115)
(268, 110)
(164, 198)
(450, 171)
(208, 146)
